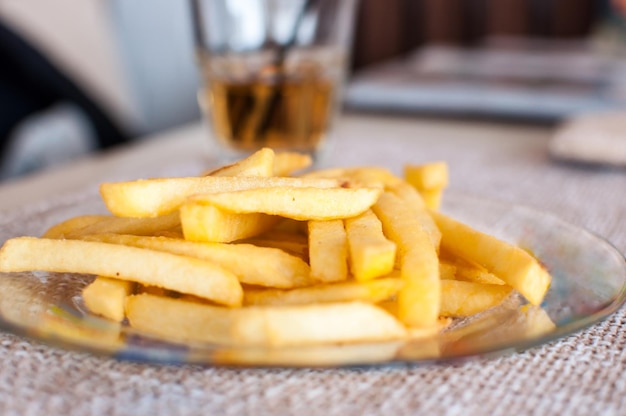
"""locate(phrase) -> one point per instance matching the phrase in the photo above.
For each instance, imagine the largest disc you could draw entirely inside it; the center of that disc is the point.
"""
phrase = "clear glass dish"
(589, 280)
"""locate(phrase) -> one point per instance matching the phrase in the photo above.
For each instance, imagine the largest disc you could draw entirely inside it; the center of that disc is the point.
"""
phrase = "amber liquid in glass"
(292, 114)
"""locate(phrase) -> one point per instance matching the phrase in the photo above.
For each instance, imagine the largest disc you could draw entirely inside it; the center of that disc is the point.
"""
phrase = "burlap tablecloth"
(580, 374)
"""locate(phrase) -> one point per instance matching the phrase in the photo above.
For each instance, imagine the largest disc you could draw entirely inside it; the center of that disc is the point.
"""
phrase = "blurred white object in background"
(76, 35)
(155, 45)
(48, 138)
(592, 138)
(135, 58)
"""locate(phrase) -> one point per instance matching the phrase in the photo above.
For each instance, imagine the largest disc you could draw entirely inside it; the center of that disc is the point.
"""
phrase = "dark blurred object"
(528, 60)
(31, 84)
(393, 27)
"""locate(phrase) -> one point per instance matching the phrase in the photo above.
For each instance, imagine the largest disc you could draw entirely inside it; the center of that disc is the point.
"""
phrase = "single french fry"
(135, 226)
(286, 163)
(471, 273)
(371, 253)
(420, 297)
(460, 299)
(372, 291)
(408, 193)
(105, 297)
(179, 319)
(371, 176)
(328, 250)
(300, 325)
(311, 356)
(430, 179)
(414, 201)
(170, 271)
(201, 222)
(283, 326)
(432, 198)
(60, 230)
(260, 163)
(155, 197)
(295, 203)
(433, 175)
(513, 265)
(252, 265)
(420, 332)
(467, 271)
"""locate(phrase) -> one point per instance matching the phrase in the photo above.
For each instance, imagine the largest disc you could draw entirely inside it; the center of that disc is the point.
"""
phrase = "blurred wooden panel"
(508, 17)
(387, 28)
(444, 21)
(380, 31)
(572, 18)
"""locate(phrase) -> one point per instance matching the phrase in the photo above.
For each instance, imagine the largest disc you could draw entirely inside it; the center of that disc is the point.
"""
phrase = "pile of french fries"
(252, 255)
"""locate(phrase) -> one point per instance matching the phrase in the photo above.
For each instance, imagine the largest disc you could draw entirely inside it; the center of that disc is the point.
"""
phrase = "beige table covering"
(581, 374)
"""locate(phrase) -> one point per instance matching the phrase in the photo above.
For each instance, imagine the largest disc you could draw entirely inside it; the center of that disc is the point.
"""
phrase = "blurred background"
(78, 76)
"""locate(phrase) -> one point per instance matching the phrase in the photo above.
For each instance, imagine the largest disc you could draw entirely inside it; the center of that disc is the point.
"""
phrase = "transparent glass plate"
(589, 277)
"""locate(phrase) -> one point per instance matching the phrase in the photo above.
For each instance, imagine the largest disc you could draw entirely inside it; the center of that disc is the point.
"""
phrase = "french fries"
(293, 202)
(286, 163)
(467, 298)
(105, 297)
(155, 197)
(371, 253)
(283, 326)
(247, 256)
(201, 222)
(182, 274)
(513, 265)
(263, 266)
(72, 225)
(260, 163)
(105, 224)
(328, 250)
(419, 299)
(373, 291)
(430, 180)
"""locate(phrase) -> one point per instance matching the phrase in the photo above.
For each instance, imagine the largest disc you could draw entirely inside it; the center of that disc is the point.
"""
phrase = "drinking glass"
(272, 72)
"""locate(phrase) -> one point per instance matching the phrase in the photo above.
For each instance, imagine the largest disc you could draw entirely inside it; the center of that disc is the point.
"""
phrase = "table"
(581, 374)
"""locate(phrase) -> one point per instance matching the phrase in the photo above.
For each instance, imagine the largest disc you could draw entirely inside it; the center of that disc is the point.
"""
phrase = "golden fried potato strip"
(252, 265)
(207, 223)
(149, 267)
(72, 225)
(105, 297)
(372, 291)
(420, 298)
(371, 253)
(460, 299)
(155, 197)
(282, 326)
(510, 263)
(260, 163)
(286, 163)
(328, 250)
